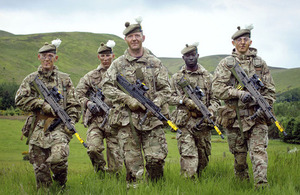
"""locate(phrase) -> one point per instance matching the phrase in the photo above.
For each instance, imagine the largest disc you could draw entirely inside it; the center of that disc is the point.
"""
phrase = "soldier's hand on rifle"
(68, 131)
(93, 108)
(47, 109)
(260, 113)
(133, 104)
(157, 102)
(246, 97)
(189, 103)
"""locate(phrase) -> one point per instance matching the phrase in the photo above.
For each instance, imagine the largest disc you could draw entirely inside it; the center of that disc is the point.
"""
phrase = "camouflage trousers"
(53, 159)
(255, 141)
(95, 143)
(194, 149)
(154, 146)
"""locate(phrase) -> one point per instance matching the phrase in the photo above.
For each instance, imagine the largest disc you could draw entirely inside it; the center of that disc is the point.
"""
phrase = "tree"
(7, 95)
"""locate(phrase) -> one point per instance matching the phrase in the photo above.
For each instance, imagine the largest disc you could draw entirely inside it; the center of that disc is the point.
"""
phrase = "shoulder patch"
(64, 76)
(230, 61)
(257, 62)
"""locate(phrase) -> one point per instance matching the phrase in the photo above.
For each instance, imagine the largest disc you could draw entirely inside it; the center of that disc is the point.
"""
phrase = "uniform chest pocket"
(130, 75)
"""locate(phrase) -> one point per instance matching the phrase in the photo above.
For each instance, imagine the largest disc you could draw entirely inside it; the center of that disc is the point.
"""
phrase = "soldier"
(138, 63)
(94, 118)
(194, 144)
(48, 150)
(243, 133)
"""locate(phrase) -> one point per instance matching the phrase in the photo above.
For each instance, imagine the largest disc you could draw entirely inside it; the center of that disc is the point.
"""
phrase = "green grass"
(17, 177)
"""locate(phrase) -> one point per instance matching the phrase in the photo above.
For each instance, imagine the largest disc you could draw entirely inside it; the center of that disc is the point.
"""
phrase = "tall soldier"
(95, 119)
(194, 144)
(48, 149)
(243, 133)
(138, 63)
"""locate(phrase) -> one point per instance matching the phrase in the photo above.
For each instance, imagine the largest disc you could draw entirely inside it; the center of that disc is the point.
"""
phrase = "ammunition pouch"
(118, 117)
(27, 126)
(245, 112)
(225, 116)
(181, 117)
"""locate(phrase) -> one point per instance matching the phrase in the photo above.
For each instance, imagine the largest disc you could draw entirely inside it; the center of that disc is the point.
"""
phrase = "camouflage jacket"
(201, 78)
(224, 86)
(91, 82)
(154, 75)
(28, 99)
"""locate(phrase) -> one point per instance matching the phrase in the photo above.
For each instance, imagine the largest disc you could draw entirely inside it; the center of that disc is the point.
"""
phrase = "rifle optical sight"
(141, 86)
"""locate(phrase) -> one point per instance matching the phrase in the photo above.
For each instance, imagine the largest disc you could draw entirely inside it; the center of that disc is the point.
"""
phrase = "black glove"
(93, 108)
(246, 97)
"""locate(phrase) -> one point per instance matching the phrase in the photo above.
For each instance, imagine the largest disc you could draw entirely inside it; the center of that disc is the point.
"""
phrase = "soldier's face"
(135, 40)
(191, 58)
(242, 44)
(106, 59)
(47, 60)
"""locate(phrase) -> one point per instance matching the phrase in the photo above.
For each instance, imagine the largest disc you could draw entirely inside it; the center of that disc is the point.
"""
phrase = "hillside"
(77, 56)
(285, 79)
(209, 62)
(5, 34)
(77, 53)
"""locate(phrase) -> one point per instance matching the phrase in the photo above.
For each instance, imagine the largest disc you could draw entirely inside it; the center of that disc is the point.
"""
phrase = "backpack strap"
(258, 66)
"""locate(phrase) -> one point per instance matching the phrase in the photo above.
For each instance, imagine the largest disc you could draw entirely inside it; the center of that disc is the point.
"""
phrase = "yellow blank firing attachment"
(280, 128)
(219, 132)
(81, 140)
(174, 126)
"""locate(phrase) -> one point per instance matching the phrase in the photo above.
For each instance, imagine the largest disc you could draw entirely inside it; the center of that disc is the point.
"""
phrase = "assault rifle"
(196, 95)
(98, 98)
(253, 85)
(137, 91)
(51, 99)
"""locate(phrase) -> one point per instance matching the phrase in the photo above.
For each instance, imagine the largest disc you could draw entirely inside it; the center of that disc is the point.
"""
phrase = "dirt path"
(23, 117)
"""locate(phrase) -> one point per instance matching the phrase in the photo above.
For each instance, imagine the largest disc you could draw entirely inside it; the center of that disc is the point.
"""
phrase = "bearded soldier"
(243, 133)
(48, 149)
(194, 144)
(94, 118)
(138, 63)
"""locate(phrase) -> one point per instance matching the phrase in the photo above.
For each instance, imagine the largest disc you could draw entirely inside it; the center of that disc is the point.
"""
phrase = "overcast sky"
(169, 24)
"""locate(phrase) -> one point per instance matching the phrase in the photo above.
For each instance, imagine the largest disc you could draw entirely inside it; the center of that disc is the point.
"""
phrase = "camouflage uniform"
(255, 132)
(48, 150)
(194, 144)
(150, 136)
(96, 134)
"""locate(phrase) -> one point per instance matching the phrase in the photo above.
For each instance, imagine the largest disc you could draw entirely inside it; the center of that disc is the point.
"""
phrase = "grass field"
(17, 177)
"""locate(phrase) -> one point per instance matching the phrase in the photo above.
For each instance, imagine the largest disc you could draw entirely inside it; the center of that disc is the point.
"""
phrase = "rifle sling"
(233, 71)
(32, 126)
(135, 136)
